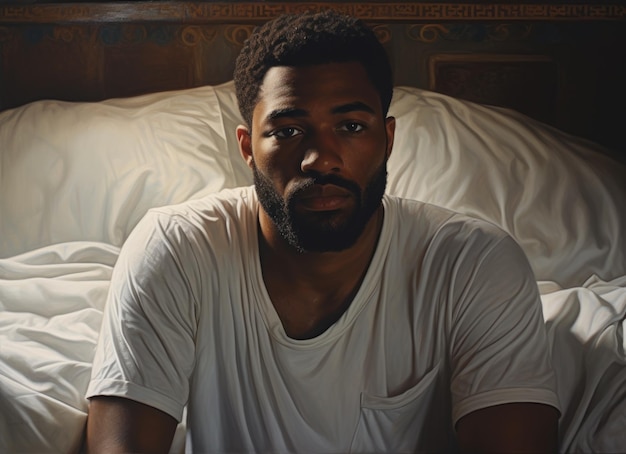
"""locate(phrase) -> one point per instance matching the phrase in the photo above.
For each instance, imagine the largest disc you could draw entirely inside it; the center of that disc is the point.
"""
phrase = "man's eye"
(352, 127)
(286, 133)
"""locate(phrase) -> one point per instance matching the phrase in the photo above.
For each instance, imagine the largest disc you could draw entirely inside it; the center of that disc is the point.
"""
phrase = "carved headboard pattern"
(560, 63)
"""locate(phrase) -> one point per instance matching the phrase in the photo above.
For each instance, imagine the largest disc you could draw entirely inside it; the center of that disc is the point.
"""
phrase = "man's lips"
(326, 197)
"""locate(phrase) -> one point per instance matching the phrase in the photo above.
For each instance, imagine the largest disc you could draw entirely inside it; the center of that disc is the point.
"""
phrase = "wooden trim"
(434, 60)
(253, 12)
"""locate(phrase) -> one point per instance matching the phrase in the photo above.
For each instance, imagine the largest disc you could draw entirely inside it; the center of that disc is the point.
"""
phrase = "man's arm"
(118, 425)
(502, 378)
(510, 428)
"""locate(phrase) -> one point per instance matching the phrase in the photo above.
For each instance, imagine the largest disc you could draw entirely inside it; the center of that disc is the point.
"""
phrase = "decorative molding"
(109, 34)
(68, 33)
(237, 34)
(527, 83)
(435, 60)
(116, 34)
(427, 33)
(254, 12)
(192, 35)
(472, 32)
(383, 33)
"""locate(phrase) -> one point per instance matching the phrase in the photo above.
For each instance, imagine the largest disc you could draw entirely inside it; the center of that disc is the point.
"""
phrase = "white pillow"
(561, 197)
(89, 171)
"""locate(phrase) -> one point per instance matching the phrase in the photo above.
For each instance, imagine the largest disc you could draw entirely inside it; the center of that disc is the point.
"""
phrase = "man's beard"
(321, 231)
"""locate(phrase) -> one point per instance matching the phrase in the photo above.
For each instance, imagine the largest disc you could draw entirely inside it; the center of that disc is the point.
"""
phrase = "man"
(313, 313)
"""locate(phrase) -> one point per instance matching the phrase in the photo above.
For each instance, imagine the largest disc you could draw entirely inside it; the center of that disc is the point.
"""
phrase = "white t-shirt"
(447, 321)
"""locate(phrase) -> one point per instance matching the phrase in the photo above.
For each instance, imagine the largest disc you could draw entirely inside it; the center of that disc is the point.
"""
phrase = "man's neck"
(310, 290)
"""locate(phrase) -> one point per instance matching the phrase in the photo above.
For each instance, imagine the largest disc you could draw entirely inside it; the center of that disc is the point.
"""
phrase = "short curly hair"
(309, 39)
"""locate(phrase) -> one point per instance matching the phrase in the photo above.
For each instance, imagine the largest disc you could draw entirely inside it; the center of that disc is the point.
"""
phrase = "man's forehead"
(286, 86)
(279, 81)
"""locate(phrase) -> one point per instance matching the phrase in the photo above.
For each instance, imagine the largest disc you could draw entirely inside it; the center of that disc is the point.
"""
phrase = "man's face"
(318, 149)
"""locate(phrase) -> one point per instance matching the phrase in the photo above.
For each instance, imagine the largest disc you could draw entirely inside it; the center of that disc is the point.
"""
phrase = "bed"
(107, 129)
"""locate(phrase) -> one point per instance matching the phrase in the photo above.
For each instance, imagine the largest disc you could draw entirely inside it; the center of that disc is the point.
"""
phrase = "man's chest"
(352, 388)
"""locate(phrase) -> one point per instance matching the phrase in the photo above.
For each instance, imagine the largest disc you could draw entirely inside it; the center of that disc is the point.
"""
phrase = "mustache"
(319, 179)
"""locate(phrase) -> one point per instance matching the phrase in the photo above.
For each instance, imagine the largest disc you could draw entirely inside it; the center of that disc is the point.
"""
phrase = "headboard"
(563, 64)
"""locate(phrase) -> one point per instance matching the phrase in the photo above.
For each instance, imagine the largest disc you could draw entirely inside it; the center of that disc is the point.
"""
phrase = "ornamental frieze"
(224, 12)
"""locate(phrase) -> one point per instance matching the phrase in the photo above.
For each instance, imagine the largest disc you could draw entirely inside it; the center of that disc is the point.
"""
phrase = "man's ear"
(390, 127)
(245, 144)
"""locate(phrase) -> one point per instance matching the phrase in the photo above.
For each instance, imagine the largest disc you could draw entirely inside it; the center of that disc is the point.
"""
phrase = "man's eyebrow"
(352, 107)
(287, 112)
(290, 112)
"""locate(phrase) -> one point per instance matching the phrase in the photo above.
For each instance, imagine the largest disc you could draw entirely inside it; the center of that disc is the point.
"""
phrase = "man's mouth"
(326, 197)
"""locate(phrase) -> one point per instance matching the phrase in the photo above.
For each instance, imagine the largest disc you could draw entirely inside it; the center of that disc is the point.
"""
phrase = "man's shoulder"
(215, 215)
(222, 204)
(441, 223)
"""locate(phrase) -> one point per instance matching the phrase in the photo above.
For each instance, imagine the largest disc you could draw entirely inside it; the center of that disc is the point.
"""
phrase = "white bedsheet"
(51, 302)
(586, 328)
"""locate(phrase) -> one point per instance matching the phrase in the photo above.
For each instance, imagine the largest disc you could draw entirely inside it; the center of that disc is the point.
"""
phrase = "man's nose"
(322, 155)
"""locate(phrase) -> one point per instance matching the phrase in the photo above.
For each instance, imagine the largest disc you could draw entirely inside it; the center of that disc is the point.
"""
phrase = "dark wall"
(565, 72)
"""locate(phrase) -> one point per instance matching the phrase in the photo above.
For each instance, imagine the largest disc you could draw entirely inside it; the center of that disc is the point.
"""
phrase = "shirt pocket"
(400, 423)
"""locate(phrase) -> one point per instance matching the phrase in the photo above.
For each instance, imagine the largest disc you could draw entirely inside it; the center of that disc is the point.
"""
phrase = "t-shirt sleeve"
(146, 348)
(499, 349)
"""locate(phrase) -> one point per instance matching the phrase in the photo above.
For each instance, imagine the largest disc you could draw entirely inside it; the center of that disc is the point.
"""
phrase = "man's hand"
(510, 428)
(117, 425)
